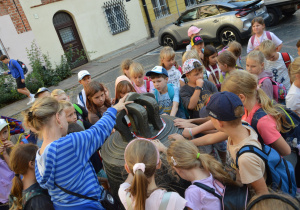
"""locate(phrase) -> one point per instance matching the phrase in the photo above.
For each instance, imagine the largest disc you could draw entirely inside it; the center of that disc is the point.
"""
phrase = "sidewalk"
(96, 68)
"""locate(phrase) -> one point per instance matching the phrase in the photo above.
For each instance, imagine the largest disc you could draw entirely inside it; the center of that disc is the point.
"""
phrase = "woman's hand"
(176, 136)
(121, 104)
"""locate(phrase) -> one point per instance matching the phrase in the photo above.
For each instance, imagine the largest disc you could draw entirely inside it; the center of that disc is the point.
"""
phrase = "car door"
(210, 20)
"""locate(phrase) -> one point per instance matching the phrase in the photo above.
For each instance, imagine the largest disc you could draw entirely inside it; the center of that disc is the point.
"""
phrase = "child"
(276, 63)
(193, 31)
(210, 62)
(167, 105)
(6, 175)
(226, 110)
(122, 88)
(68, 154)
(227, 63)
(139, 191)
(84, 78)
(197, 90)
(293, 96)
(298, 47)
(136, 72)
(260, 35)
(236, 49)
(189, 164)
(26, 193)
(81, 112)
(167, 60)
(255, 65)
(70, 112)
(42, 92)
(125, 67)
(97, 101)
(198, 45)
(17, 72)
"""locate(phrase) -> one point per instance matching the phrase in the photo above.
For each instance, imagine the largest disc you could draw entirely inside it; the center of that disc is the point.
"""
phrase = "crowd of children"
(230, 117)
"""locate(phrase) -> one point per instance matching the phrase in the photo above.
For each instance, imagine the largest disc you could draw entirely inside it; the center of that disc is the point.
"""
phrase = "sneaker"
(31, 100)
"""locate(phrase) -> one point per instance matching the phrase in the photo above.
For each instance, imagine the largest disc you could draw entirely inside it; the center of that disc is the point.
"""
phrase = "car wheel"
(289, 13)
(275, 16)
(228, 35)
(170, 41)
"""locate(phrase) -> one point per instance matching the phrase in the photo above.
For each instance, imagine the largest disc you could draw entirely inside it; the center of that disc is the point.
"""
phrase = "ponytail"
(139, 188)
(16, 191)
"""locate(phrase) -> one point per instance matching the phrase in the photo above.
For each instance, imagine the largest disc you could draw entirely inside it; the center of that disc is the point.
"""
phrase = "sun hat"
(197, 40)
(188, 66)
(82, 74)
(3, 123)
(193, 30)
(157, 70)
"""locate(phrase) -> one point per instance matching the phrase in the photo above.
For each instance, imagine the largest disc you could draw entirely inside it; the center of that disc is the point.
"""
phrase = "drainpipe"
(148, 19)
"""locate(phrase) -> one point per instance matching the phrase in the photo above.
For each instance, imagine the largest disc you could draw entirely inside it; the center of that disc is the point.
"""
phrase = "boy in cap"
(197, 90)
(226, 110)
(193, 31)
(166, 95)
(84, 78)
(198, 45)
(42, 93)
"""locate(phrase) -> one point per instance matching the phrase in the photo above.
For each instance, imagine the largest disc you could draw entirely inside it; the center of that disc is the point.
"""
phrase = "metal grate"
(116, 16)
(190, 3)
(160, 8)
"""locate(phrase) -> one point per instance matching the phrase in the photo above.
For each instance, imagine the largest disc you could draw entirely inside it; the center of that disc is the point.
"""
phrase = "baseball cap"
(197, 40)
(82, 74)
(189, 65)
(221, 106)
(41, 90)
(3, 123)
(193, 30)
(158, 70)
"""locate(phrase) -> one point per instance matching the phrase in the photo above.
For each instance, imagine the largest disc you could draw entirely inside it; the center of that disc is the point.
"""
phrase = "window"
(116, 16)
(190, 3)
(223, 9)
(207, 11)
(160, 8)
(190, 16)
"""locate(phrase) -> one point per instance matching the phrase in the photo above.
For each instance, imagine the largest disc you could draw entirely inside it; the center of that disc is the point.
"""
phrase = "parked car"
(223, 21)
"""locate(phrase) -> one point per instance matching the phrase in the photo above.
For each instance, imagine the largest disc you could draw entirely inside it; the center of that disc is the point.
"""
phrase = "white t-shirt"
(188, 47)
(262, 38)
(84, 99)
(293, 99)
(176, 202)
(279, 70)
(174, 76)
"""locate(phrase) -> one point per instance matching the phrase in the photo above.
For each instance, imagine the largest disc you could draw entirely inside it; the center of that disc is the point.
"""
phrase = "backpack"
(81, 98)
(23, 66)
(233, 198)
(279, 91)
(287, 59)
(268, 36)
(15, 126)
(37, 191)
(77, 108)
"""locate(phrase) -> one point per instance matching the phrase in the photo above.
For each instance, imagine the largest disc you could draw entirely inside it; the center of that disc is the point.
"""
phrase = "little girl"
(255, 65)
(227, 63)
(97, 101)
(139, 191)
(125, 67)
(260, 35)
(198, 45)
(167, 60)
(293, 96)
(26, 193)
(211, 64)
(192, 166)
(137, 73)
(70, 112)
(122, 88)
(236, 49)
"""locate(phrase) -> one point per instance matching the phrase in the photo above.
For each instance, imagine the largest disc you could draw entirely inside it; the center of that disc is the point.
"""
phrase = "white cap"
(3, 123)
(82, 74)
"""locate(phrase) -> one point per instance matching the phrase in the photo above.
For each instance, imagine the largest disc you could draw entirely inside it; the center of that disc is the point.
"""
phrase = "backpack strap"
(165, 201)
(286, 58)
(75, 194)
(208, 189)
(81, 98)
(147, 85)
(171, 91)
(252, 39)
(77, 108)
(252, 149)
(261, 80)
(257, 115)
(269, 35)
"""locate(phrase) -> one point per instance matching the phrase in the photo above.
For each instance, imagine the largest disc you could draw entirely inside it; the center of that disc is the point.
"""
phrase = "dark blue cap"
(221, 106)
(157, 70)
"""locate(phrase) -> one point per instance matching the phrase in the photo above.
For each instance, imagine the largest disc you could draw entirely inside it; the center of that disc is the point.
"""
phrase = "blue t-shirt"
(165, 103)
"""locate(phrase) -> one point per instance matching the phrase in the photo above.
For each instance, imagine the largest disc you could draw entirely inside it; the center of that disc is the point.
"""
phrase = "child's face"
(213, 59)
(194, 75)
(99, 98)
(160, 83)
(85, 80)
(258, 28)
(223, 67)
(5, 61)
(199, 47)
(71, 115)
(4, 134)
(254, 67)
(273, 56)
(138, 80)
(216, 123)
(124, 91)
(298, 51)
(62, 97)
(126, 72)
(168, 62)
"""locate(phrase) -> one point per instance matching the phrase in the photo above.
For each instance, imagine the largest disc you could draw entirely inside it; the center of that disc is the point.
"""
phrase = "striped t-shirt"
(66, 163)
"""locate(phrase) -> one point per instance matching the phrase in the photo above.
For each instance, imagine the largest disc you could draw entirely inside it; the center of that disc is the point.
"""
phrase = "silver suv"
(223, 20)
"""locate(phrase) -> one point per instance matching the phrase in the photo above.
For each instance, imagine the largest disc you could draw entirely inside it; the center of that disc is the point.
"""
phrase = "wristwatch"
(198, 88)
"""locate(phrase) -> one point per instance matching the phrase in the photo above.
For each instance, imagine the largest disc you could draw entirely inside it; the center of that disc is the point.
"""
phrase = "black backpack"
(23, 66)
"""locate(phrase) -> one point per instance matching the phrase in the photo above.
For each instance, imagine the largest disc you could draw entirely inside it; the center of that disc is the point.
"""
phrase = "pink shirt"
(176, 202)
(266, 126)
(6, 176)
(143, 88)
(199, 199)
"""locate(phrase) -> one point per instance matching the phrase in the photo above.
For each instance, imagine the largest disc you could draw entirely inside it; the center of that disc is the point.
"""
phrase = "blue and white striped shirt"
(66, 163)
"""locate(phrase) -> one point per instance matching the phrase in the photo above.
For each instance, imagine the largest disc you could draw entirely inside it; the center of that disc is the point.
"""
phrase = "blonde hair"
(57, 92)
(235, 48)
(183, 154)
(191, 54)
(66, 104)
(267, 48)
(227, 58)
(242, 82)
(166, 52)
(41, 112)
(257, 56)
(125, 64)
(141, 151)
(294, 68)
(136, 69)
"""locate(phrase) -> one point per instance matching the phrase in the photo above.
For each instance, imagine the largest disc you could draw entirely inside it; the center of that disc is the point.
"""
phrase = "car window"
(207, 11)
(191, 15)
(223, 9)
